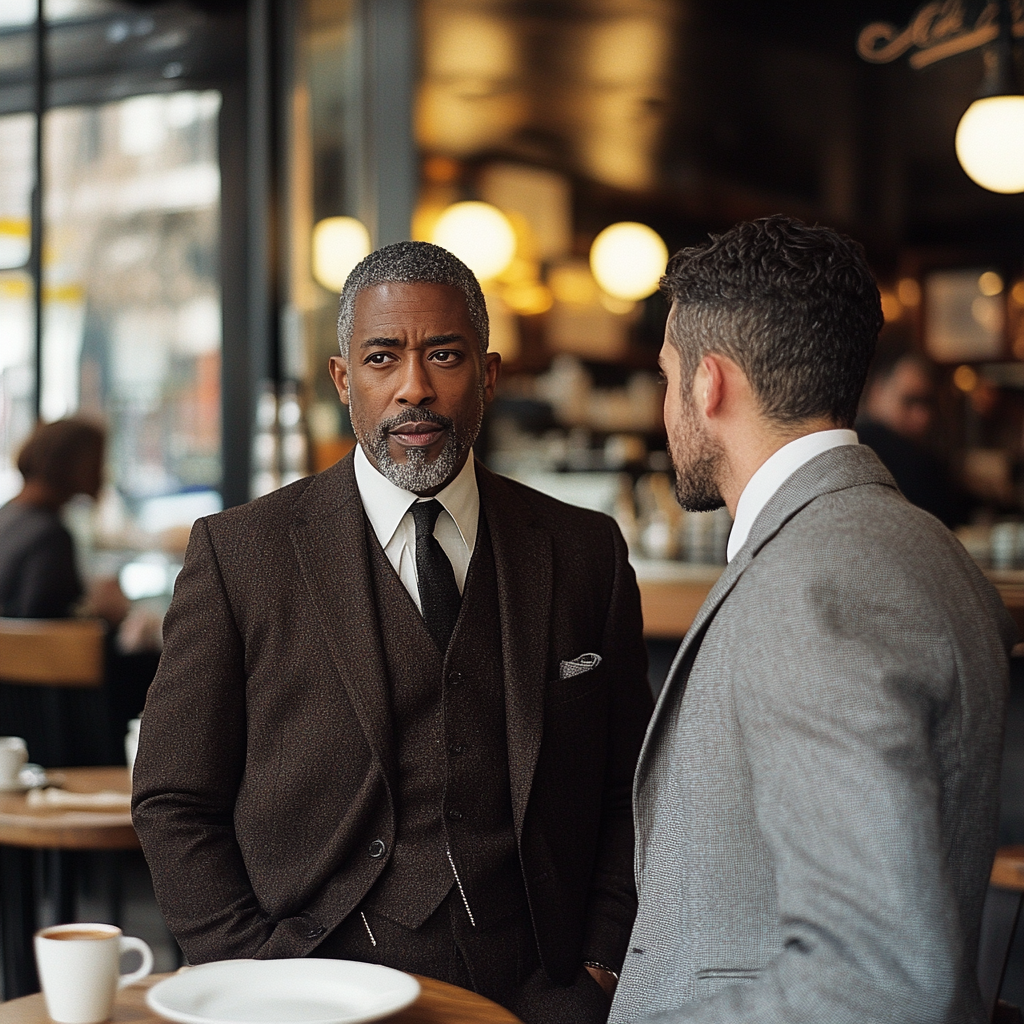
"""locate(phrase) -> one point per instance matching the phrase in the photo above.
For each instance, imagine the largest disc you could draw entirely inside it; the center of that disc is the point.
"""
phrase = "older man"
(401, 702)
(817, 795)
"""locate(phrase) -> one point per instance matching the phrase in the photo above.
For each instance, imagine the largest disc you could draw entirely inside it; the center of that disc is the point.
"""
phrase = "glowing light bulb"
(339, 243)
(628, 260)
(990, 143)
(479, 234)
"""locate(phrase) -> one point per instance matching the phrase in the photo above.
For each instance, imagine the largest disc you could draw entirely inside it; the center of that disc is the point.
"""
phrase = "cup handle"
(130, 942)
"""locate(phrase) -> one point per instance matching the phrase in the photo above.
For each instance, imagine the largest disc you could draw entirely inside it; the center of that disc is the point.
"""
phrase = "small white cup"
(13, 754)
(79, 969)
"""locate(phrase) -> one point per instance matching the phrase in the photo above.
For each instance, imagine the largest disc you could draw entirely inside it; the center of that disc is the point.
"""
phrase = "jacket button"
(377, 849)
(455, 815)
(455, 678)
(456, 748)
(315, 933)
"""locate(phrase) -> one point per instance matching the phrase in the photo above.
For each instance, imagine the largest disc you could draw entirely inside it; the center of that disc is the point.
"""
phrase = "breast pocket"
(714, 979)
(583, 684)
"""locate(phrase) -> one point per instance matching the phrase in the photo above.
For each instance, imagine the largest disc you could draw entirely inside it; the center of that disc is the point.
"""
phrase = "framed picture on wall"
(964, 314)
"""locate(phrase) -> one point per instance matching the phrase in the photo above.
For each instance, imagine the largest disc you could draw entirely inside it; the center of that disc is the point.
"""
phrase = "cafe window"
(130, 275)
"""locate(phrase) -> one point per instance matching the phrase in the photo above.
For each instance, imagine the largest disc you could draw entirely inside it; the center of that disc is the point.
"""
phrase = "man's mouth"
(417, 435)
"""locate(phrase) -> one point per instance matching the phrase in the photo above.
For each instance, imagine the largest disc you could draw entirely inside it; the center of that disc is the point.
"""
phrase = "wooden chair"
(52, 652)
(998, 924)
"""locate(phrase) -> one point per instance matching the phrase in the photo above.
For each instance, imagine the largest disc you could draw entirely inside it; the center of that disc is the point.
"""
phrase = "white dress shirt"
(773, 473)
(387, 508)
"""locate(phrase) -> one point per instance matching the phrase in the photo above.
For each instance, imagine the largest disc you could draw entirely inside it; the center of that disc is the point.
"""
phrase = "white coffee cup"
(13, 754)
(80, 972)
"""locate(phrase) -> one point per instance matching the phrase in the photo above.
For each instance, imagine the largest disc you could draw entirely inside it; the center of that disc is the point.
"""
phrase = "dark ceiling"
(749, 108)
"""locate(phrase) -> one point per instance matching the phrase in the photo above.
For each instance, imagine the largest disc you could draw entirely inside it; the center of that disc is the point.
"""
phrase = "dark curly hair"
(796, 307)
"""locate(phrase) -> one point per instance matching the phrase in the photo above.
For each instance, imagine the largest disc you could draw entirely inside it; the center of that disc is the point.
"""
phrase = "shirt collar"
(773, 473)
(386, 504)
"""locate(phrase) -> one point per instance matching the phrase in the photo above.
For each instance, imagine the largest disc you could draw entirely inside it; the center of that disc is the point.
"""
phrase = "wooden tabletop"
(70, 829)
(671, 593)
(438, 1003)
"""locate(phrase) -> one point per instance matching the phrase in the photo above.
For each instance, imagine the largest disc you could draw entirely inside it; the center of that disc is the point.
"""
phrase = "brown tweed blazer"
(266, 768)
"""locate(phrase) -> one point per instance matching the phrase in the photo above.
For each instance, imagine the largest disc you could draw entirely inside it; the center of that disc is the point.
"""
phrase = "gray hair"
(411, 263)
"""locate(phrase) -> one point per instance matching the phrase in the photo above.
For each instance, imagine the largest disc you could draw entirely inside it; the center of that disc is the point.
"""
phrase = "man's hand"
(604, 978)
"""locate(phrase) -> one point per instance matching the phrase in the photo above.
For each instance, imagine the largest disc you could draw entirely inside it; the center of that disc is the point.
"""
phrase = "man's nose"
(415, 387)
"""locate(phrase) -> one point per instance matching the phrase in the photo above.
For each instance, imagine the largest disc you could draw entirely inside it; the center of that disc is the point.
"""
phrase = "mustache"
(415, 415)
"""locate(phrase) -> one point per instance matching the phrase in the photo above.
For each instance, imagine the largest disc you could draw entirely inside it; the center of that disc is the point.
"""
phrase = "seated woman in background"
(39, 578)
(38, 574)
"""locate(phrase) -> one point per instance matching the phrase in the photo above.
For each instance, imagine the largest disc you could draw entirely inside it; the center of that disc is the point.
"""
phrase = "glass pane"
(132, 326)
(16, 324)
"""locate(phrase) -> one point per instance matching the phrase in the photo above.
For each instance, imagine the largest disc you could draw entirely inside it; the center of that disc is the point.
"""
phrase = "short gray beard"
(697, 487)
(416, 474)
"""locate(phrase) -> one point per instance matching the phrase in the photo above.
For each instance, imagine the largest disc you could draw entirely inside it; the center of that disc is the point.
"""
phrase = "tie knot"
(425, 514)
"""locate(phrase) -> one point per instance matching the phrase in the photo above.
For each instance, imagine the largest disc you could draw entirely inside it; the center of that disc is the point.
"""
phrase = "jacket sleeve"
(189, 767)
(612, 903)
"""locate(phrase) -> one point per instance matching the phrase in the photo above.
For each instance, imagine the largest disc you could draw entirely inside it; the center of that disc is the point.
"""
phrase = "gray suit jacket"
(816, 799)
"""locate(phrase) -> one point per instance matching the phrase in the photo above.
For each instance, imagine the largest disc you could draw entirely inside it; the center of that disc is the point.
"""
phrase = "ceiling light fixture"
(479, 234)
(990, 137)
(628, 260)
(339, 243)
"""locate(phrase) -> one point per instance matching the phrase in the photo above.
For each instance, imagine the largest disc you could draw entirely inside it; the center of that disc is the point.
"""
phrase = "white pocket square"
(576, 667)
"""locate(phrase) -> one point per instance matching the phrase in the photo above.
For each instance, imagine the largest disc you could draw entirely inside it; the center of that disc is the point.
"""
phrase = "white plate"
(301, 991)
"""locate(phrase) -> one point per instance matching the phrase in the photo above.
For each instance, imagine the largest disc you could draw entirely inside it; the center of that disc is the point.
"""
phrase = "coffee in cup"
(79, 970)
(13, 755)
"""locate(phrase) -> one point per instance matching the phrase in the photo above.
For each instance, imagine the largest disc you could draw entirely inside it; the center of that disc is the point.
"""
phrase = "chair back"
(52, 652)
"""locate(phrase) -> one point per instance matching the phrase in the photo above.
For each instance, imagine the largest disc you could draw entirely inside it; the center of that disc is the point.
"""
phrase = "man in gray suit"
(815, 803)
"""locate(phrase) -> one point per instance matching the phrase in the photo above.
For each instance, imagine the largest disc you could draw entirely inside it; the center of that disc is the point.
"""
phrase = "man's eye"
(378, 358)
(444, 356)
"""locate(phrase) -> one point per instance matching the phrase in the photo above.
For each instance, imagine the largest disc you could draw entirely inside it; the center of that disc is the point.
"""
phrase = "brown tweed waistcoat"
(451, 707)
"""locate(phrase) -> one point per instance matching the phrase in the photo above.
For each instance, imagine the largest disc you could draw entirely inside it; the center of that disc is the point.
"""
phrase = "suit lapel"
(523, 565)
(329, 536)
(833, 470)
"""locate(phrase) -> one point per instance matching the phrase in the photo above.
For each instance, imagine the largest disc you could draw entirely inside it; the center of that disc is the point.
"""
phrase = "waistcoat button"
(377, 849)
(455, 678)
(455, 815)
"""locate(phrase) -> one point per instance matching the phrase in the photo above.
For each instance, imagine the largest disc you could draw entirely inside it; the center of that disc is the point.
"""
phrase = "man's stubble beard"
(697, 461)
(416, 474)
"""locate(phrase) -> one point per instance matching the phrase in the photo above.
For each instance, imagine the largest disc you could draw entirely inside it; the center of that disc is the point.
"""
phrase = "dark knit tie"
(439, 593)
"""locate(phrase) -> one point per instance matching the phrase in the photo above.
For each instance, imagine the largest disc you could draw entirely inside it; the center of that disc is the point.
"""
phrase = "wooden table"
(439, 1003)
(24, 829)
(671, 593)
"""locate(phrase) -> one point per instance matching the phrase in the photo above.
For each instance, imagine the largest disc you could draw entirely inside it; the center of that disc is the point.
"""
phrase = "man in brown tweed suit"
(400, 703)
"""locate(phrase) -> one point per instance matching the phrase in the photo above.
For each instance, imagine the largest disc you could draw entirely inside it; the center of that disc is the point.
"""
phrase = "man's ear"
(338, 369)
(709, 385)
(492, 367)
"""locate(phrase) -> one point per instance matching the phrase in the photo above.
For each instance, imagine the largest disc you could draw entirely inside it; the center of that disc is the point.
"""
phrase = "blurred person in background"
(895, 421)
(40, 579)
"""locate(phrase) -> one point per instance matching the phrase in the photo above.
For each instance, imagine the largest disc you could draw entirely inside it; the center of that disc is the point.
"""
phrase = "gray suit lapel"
(329, 537)
(834, 470)
(523, 565)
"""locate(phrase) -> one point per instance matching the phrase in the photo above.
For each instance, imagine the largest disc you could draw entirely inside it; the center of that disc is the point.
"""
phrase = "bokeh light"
(628, 260)
(339, 243)
(479, 234)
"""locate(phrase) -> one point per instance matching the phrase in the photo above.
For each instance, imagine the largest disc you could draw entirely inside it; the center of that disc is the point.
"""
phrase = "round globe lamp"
(990, 143)
(339, 243)
(628, 259)
(479, 234)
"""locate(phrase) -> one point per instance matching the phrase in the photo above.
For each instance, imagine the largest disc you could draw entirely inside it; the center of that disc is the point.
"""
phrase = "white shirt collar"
(773, 473)
(386, 504)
